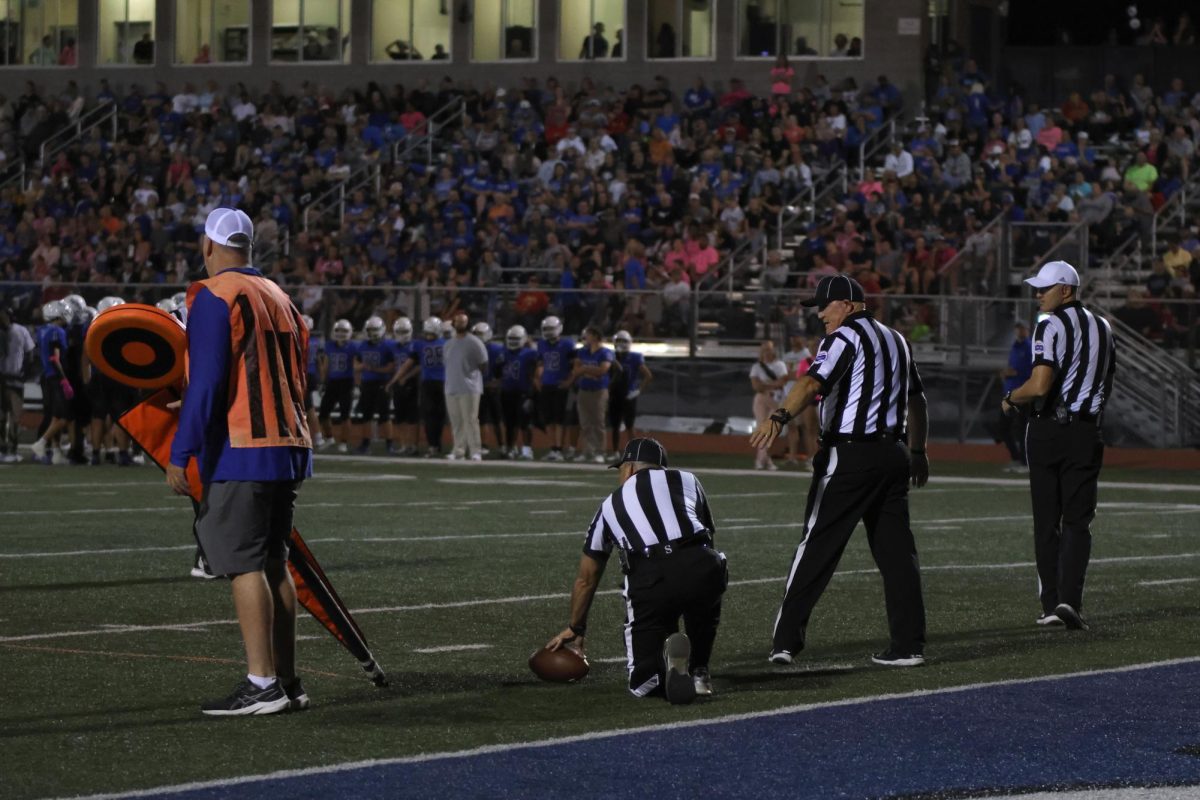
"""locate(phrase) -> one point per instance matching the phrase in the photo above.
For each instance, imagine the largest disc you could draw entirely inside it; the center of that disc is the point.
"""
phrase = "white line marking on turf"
(451, 648)
(95, 494)
(532, 598)
(550, 511)
(671, 727)
(518, 482)
(743, 519)
(1168, 581)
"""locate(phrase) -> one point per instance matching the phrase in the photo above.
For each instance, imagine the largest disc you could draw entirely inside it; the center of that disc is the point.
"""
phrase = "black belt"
(830, 439)
(667, 549)
(1070, 416)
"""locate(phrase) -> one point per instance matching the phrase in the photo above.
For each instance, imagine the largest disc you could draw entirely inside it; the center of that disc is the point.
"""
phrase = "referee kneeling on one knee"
(662, 529)
(1074, 361)
(871, 392)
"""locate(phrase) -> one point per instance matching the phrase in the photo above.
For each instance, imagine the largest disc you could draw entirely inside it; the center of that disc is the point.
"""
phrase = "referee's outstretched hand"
(765, 434)
(920, 469)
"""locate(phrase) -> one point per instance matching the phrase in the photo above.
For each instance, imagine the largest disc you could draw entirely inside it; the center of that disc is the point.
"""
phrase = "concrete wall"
(886, 52)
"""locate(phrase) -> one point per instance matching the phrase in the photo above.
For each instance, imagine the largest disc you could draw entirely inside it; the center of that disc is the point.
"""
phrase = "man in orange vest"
(243, 419)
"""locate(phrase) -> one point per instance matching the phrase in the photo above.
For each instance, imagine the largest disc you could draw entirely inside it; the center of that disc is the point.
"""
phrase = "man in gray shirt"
(465, 357)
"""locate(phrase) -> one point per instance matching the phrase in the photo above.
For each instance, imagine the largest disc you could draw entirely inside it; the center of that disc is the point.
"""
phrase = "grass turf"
(95, 704)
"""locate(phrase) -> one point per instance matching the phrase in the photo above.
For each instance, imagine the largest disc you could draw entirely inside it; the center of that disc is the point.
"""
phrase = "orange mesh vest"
(267, 371)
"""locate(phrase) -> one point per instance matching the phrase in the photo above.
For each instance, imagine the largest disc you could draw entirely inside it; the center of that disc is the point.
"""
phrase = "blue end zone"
(1110, 729)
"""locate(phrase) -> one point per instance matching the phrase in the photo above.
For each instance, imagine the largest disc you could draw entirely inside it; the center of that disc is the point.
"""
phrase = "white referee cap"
(230, 227)
(1054, 273)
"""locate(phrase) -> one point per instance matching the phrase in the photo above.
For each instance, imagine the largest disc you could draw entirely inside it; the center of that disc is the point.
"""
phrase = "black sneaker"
(249, 699)
(680, 689)
(297, 697)
(891, 658)
(1070, 617)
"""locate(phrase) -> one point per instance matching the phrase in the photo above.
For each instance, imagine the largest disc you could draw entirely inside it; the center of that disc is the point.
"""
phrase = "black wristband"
(578, 630)
(781, 416)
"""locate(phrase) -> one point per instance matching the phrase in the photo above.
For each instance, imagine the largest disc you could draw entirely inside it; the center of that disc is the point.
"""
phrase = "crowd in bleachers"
(543, 192)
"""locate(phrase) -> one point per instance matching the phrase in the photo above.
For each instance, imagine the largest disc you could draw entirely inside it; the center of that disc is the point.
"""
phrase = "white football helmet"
(180, 299)
(515, 338)
(54, 311)
(308, 322)
(72, 305)
(342, 331)
(622, 341)
(432, 327)
(551, 329)
(482, 330)
(374, 329)
(108, 302)
(167, 304)
(87, 316)
(402, 329)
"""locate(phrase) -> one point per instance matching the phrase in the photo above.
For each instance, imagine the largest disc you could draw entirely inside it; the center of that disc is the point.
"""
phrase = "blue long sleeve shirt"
(203, 422)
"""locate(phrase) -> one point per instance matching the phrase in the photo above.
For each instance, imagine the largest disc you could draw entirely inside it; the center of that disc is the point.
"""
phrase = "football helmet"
(374, 329)
(515, 338)
(342, 331)
(53, 311)
(482, 330)
(622, 341)
(72, 305)
(308, 322)
(551, 329)
(108, 302)
(402, 329)
(432, 328)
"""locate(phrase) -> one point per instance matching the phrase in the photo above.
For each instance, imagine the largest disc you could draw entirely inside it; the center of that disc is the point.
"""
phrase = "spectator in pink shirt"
(1049, 136)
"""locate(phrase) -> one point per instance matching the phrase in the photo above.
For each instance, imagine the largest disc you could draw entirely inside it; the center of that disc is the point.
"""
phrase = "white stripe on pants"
(464, 423)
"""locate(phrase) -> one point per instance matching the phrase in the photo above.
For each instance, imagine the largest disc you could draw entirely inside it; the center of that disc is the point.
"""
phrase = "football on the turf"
(558, 666)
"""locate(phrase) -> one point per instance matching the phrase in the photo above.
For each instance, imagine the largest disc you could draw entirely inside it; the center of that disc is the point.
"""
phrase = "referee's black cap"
(645, 450)
(836, 287)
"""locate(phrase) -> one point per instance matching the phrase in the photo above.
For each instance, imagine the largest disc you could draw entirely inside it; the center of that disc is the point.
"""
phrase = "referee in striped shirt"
(873, 410)
(660, 525)
(1074, 360)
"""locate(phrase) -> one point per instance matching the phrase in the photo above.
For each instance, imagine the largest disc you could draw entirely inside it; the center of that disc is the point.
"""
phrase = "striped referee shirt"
(866, 371)
(1079, 347)
(655, 506)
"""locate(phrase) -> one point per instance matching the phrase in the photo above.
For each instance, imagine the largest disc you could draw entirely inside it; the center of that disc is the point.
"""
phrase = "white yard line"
(533, 598)
(451, 648)
(1168, 582)
(669, 728)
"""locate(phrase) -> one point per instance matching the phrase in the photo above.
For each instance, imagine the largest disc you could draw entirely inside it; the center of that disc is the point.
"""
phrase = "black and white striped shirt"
(655, 506)
(1079, 347)
(867, 372)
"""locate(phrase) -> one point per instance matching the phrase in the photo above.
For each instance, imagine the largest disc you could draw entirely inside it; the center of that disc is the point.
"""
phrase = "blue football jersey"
(341, 360)
(429, 354)
(377, 359)
(631, 365)
(315, 345)
(51, 339)
(556, 360)
(495, 352)
(517, 368)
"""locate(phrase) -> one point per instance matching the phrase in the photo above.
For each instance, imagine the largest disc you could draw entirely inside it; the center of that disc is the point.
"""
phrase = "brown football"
(558, 666)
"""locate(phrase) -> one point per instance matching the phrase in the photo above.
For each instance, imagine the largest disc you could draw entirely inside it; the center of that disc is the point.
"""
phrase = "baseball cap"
(836, 287)
(645, 450)
(1054, 273)
(229, 226)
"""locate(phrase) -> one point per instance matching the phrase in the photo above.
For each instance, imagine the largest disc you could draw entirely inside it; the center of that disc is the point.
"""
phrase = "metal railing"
(103, 114)
(13, 174)
(1115, 268)
(336, 197)
(1173, 213)
(879, 139)
(1070, 244)
(452, 114)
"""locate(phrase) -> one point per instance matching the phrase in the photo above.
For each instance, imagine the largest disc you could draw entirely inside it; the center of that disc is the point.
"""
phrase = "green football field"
(457, 572)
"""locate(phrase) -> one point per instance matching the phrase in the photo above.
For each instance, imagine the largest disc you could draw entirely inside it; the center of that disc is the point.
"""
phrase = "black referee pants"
(687, 583)
(867, 481)
(1064, 466)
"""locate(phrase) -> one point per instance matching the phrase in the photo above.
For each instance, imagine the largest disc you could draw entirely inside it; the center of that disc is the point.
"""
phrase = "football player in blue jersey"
(517, 363)
(374, 364)
(406, 409)
(552, 381)
(315, 343)
(109, 399)
(489, 403)
(336, 365)
(428, 357)
(627, 383)
(79, 319)
(56, 388)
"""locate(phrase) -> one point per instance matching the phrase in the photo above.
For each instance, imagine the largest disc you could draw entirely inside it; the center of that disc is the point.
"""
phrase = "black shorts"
(553, 403)
(489, 407)
(372, 401)
(310, 392)
(243, 524)
(517, 408)
(53, 400)
(621, 410)
(406, 403)
(339, 392)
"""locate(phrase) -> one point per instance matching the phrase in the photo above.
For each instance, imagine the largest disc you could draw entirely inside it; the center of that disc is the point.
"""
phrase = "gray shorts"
(242, 524)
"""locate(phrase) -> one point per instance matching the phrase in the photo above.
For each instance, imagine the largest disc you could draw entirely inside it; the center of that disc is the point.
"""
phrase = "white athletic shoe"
(39, 450)
(1049, 619)
(59, 459)
(599, 459)
(526, 454)
(477, 456)
(343, 448)
(452, 457)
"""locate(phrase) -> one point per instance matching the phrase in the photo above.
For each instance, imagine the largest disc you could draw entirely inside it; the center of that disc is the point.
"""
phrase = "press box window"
(679, 29)
(127, 32)
(310, 31)
(504, 30)
(212, 32)
(591, 30)
(800, 28)
(412, 30)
